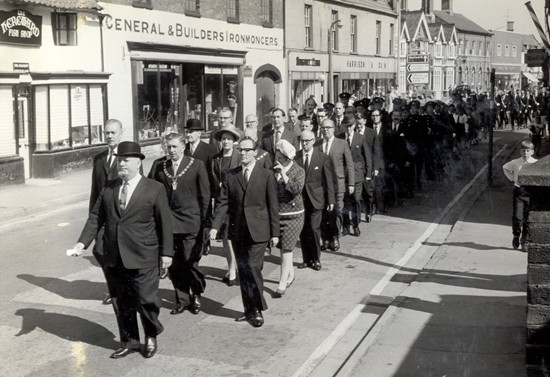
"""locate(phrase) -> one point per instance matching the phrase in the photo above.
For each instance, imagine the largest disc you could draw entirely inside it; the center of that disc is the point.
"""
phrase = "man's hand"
(376, 173)
(330, 207)
(166, 262)
(368, 178)
(76, 251)
(351, 189)
(213, 234)
(274, 241)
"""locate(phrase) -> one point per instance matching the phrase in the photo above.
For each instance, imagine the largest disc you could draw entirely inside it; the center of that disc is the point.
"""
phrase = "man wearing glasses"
(249, 197)
(317, 194)
(343, 174)
(251, 124)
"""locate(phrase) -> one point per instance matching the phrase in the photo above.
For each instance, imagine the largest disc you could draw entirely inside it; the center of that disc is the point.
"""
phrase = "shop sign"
(535, 57)
(247, 71)
(20, 27)
(308, 62)
(21, 67)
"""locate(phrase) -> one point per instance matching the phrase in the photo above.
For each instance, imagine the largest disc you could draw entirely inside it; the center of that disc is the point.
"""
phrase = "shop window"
(267, 13)
(64, 27)
(220, 88)
(68, 116)
(233, 10)
(192, 8)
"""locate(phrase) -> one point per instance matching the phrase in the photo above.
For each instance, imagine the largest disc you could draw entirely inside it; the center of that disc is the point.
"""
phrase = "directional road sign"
(418, 58)
(418, 78)
(418, 67)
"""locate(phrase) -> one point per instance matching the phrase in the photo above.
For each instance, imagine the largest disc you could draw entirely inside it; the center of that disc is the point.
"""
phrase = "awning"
(530, 77)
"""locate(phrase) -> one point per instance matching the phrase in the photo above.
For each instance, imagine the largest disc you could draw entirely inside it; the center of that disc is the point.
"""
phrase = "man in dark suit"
(103, 170)
(362, 161)
(204, 152)
(343, 174)
(338, 118)
(186, 183)
(249, 197)
(138, 237)
(277, 131)
(318, 194)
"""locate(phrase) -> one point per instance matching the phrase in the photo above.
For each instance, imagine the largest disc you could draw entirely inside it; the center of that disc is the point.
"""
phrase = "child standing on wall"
(520, 214)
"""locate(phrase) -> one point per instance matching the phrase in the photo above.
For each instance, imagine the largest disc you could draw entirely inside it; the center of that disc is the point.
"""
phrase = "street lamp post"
(330, 78)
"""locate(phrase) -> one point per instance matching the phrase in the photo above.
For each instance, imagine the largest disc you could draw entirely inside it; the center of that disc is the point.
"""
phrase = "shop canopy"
(530, 77)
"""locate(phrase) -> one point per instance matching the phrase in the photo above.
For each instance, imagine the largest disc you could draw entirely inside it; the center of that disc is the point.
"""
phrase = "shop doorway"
(265, 79)
(22, 115)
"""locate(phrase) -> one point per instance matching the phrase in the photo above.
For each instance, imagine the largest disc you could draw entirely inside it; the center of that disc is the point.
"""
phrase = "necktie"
(246, 175)
(349, 140)
(306, 162)
(325, 147)
(123, 196)
(110, 159)
(192, 149)
(175, 166)
(277, 137)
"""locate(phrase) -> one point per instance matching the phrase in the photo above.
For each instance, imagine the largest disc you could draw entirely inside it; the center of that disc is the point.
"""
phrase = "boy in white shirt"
(520, 215)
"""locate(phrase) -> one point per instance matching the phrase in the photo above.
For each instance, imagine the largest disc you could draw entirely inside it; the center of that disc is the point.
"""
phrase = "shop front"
(52, 91)
(173, 67)
(307, 73)
(507, 76)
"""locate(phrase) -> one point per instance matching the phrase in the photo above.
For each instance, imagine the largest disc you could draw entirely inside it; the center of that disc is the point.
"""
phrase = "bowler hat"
(349, 120)
(193, 125)
(129, 149)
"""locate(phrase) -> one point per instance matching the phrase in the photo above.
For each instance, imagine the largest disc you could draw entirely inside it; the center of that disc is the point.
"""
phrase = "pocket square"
(317, 167)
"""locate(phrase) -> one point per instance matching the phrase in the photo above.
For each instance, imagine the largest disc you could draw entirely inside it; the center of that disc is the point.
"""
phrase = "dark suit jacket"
(139, 235)
(101, 173)
(338, 129)
(203, 152)
(361, 156)
(217, 175)
(252, 207)
(268, 142)
(189, 202)
(318, 185)
(373, 145)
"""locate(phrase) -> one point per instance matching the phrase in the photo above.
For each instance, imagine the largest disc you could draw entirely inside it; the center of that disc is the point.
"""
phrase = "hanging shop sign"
(21, 28)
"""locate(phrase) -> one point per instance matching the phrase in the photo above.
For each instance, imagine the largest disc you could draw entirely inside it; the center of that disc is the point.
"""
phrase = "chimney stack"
(404, 5)
(447, 6)
(428, 6)
(509, 25)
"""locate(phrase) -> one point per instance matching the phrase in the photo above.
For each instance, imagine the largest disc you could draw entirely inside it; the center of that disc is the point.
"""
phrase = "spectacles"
(250, 122)
(245, 150)
(325, 128)
(224, 117)
(306, 140)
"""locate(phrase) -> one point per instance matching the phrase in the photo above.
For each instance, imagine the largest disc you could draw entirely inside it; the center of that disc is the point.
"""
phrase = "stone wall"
(536, 178)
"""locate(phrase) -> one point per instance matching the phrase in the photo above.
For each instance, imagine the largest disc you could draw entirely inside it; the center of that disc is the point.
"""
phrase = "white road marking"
(343, 327)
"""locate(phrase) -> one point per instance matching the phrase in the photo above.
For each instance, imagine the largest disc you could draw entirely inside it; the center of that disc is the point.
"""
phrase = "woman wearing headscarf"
(290, 181)
(226, 159)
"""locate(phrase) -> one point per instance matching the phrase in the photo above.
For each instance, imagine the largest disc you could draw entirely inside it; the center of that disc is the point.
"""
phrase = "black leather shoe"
(304, 265)
(335, 245)
(279, 293)
(123, 351)
(316, 266)
(206, 249)
(345, 232)
(356, 231)
(244, 317)
(195, 306)
(325, 245)
(257, 319)
(178, 309)
(107, 300)
(515, 242)
(150, 347)
(369, 218)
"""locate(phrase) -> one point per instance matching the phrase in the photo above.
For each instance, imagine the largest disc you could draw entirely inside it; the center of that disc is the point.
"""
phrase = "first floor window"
(64, 27)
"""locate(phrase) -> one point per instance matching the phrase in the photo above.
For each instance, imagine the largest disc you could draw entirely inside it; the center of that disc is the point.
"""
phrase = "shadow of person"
(76, 290)
(68, 327)
(208, 306)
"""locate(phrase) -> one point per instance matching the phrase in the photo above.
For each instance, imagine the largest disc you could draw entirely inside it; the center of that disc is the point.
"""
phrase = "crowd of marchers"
(303, 179)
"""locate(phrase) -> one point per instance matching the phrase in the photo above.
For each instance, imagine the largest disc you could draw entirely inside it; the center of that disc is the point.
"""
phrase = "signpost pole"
(491, 125)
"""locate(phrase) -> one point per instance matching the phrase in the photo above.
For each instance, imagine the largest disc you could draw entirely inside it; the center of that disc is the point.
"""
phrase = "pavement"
(454, 304)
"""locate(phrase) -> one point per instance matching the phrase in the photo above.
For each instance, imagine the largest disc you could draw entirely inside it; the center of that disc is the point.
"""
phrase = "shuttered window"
(7, 131)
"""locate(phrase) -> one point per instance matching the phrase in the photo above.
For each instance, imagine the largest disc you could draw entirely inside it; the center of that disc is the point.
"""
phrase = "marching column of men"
(357, 159)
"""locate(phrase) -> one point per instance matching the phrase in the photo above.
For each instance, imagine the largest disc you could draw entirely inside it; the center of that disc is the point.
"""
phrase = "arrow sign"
(418, 67)
(418, 78)
(418, 58)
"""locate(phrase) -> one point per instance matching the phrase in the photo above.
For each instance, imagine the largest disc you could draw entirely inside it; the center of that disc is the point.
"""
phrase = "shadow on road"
(66, 327)
(74, 290)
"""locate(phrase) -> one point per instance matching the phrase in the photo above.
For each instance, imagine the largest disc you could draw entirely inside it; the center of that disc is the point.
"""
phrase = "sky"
(493, 14)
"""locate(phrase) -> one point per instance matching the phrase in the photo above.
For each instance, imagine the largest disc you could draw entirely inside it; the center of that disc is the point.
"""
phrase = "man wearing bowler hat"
(137, 241)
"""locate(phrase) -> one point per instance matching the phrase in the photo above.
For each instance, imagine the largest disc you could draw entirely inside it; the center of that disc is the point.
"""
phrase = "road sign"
(535, 57)
(418, 78)
(418, 67)
(418, 58)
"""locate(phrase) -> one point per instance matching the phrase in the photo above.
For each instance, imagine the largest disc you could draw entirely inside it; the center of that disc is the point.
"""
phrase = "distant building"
(363, 48)
(508, 59)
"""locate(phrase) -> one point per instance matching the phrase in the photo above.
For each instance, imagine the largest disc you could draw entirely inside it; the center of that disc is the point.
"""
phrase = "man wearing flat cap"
(186, 183)
(137, 241)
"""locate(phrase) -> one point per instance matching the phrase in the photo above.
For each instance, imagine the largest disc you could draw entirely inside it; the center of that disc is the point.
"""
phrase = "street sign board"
(418, 58)
(418, 67)
(535, 57)
(418, 78)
